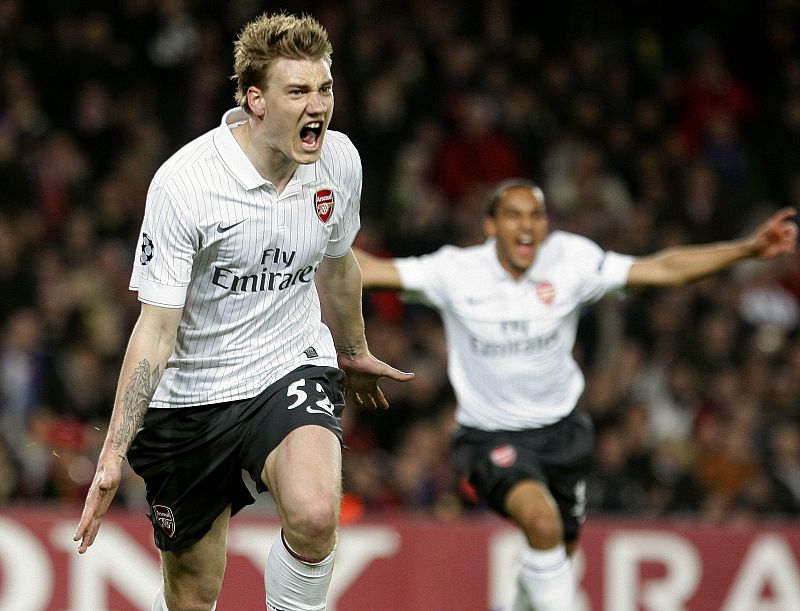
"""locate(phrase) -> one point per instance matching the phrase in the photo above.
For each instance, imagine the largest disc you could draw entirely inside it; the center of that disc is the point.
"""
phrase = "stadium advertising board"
(407, 563)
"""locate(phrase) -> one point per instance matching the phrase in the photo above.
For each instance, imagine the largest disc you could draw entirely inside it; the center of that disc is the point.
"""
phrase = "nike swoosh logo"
(222, 229)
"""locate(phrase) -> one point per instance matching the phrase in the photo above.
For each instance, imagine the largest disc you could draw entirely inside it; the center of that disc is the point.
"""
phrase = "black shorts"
(192, 458)
(558, 455)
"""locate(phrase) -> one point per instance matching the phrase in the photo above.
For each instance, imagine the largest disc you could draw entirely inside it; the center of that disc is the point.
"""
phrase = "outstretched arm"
(684, 264)
(339, 287)
(377, 272)
(150, 345)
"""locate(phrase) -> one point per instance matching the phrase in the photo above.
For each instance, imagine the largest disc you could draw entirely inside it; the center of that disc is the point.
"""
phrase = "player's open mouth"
(525, 244)
(310, 134)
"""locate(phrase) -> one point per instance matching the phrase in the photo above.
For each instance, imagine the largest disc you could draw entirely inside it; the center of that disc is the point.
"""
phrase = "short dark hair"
(502, 187)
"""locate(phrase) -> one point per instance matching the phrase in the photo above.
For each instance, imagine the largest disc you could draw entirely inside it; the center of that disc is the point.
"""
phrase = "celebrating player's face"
(298, 104)
(519, 225)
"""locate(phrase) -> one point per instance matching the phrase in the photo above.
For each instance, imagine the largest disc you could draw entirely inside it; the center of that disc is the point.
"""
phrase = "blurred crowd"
(644, 130)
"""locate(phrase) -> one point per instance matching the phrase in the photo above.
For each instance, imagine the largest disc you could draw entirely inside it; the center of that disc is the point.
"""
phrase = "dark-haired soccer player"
(510, 310)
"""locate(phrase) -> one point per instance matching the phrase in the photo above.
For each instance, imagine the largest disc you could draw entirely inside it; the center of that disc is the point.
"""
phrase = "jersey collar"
(490, 245)
(498, 270)
(240, 166)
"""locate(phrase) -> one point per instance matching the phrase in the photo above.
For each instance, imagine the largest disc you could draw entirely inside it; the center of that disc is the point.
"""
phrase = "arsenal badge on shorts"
(165, 519)
(504, 456)
(323, 204)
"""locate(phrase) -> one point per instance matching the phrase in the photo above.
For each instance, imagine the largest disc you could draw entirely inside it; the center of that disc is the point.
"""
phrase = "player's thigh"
(199, 568)
(304, 472)
(530, 499)
(297, 430)
(531, 506)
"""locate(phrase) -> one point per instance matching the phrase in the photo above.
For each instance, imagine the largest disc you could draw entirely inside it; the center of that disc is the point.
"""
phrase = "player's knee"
(192, 595)
(197, 596)
(314, 522)
(543, 530)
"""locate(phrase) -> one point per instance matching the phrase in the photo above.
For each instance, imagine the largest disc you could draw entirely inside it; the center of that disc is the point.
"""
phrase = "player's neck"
(277, 168)
(269, 162)
(514, 271)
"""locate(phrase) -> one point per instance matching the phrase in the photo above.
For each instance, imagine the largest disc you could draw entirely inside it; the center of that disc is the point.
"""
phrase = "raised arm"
(377, 272)
(151, 343)
(339, 285)
(684, 264)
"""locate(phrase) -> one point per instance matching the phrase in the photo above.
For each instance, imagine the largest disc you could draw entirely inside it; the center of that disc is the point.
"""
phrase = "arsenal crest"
(545, 292)
(323, 204)
(504, 456)
(165, 519)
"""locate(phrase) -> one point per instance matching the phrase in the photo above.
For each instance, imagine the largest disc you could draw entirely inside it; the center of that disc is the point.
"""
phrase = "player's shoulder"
(336, 141)
(570, 254)
(339, 155)
(190, 161)
(560, 243)
(466, 257)
(467, 253)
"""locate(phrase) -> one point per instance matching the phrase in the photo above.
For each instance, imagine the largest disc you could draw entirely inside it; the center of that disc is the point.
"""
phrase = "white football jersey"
(218, 241)
(510, 341)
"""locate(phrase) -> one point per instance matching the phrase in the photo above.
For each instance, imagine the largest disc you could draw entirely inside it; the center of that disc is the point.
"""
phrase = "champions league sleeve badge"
(323, 204)
(147, 250)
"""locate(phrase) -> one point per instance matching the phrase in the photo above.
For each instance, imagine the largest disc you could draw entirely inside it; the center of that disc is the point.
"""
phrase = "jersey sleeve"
(163, 264)
(605, 272)
(427, 275)
(347, 225)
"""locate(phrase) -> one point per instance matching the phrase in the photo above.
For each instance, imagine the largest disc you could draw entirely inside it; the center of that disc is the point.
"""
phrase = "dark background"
(646, 123)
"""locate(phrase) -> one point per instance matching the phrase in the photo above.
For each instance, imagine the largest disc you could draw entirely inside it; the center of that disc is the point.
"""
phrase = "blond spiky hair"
(270, 37)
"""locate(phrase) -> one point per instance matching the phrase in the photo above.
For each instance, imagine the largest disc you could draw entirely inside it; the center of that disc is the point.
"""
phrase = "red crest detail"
(468, 491)
(323, 204)
(165, 519)
(504, 456)
(545, 292)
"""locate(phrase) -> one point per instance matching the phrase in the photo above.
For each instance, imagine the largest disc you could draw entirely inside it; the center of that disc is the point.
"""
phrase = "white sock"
(521, 602)
(546, 576)
(294, 585)
(160, 603)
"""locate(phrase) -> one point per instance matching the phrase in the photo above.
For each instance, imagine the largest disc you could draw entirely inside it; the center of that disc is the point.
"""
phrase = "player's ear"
(256, 101)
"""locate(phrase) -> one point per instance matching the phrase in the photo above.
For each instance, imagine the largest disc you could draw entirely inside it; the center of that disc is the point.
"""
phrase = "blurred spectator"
(612, 487)
(709, 91)
(476, 154)
(594, 201)
(62, 180)
(781, 149)
(17, 188)
(784, 456)
(9, 473)
(27, 376)
(17, 286)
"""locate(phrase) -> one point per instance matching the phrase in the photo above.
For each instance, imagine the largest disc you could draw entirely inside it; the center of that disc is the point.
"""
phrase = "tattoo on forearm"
(141, 387)
(348, 350)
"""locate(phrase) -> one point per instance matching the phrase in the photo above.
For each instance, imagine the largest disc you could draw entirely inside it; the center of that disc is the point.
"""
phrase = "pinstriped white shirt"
(219, 242)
